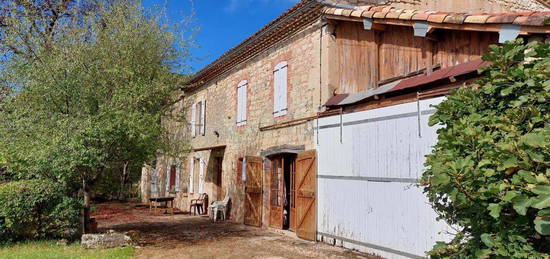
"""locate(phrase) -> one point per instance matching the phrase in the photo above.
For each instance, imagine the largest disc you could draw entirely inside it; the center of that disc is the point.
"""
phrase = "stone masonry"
(303, 54)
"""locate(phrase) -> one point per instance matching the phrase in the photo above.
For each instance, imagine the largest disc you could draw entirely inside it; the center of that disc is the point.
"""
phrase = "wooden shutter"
(280, 75)
(283, 90)
(191, 173)
(203, 118)
(201, 175)
(253, 192)
(306, 177)
(244, 100)
(276, 90)
(241, 103)
(193, 119)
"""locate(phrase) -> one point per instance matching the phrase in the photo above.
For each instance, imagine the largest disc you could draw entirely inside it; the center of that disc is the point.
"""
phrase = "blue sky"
(223, 23)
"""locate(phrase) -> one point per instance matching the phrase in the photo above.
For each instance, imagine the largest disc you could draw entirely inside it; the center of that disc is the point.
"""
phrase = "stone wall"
(302, 52)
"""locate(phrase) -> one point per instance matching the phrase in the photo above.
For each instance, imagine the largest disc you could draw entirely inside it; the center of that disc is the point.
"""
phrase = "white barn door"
(368, 170)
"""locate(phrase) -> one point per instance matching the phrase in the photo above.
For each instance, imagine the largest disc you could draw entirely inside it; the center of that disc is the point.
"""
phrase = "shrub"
(488, 175)
(36, 209)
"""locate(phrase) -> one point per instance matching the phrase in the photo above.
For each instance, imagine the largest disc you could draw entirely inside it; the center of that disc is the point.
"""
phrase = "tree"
(489, 172)
(91, 98)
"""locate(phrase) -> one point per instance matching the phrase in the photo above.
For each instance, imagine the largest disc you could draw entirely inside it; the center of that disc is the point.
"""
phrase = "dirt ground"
(186, 236)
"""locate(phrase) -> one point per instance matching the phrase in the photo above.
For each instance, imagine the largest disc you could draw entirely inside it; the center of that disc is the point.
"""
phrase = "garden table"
(154, 201)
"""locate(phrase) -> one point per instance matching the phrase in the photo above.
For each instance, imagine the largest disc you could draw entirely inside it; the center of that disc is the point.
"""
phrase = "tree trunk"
(85, 220)
(122, 194)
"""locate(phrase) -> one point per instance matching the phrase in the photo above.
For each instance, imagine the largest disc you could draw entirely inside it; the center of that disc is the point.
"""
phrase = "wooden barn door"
(253, 192)
(306, 177)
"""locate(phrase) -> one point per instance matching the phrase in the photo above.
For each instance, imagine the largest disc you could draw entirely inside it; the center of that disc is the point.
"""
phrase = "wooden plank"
(276, 206)
(253, 192)
(292, 215)
(306, 188)
(356, 50)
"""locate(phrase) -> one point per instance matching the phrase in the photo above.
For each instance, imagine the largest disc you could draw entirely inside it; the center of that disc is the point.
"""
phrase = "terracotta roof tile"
(393, 15)
(339, 11)
(437, 17)
(330, 10)
(477, 19)
(347, 12)
(499, 18)
(356, 13)
(378, 8)
(380, 15)
(534, 20)
(455, 18)
(364, 7)
(388, 9)
(368, 14)
(406, 16)
(420, 17)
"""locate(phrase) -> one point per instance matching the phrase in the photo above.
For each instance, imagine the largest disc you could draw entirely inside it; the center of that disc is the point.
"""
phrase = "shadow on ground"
(184, 236)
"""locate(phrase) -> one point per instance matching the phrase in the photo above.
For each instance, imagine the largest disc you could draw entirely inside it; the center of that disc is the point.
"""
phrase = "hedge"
(37, 209)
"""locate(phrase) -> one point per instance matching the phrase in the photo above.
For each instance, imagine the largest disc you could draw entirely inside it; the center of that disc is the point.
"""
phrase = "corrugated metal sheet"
(368, 198)
(411, 82)
(458, 70)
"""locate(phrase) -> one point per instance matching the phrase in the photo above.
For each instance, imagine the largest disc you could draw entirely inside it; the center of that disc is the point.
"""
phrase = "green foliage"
(489, 172)
(36, 209)
(91, 99)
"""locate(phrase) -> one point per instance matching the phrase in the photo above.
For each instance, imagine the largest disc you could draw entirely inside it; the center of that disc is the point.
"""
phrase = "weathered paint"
(368, 197)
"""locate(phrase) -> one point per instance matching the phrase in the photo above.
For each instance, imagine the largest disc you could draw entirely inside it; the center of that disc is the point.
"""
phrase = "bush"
(488, 175)
(36, 209)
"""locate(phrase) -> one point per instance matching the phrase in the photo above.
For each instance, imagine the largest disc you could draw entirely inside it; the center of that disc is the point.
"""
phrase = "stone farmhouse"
(317, 123)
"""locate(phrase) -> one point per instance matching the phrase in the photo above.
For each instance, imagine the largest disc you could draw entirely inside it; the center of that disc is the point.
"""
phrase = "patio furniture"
(154, 201)
(199, 205)
(219, 206)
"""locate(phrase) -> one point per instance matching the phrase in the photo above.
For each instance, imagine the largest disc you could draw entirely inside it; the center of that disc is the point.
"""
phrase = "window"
(198, 118)
(241, 102)
(280, 76)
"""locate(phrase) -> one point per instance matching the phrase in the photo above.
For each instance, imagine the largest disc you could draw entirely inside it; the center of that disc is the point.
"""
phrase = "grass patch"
(50, 250)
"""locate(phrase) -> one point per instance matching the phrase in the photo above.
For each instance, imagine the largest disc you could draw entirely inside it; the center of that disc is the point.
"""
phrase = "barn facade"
(317, 124)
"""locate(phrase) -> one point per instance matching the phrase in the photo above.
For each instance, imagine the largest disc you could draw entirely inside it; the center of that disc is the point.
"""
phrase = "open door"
(253, 192)
(292, 219)
(306, 177)
(276, 193)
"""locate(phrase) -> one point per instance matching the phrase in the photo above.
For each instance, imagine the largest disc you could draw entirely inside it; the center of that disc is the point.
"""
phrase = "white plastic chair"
(219, 206)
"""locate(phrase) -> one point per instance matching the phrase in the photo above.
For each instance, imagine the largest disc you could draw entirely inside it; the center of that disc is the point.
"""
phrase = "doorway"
(282, 192)
(218, 174)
